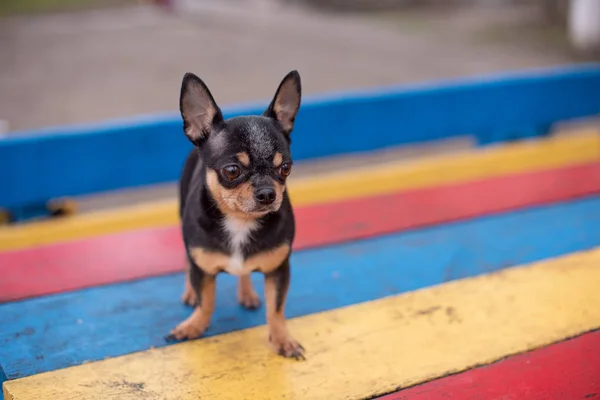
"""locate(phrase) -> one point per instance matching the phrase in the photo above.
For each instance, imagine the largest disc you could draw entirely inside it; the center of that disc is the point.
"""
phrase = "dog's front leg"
(189, 294)
(204, 286)
(277, 283)
(247, 296)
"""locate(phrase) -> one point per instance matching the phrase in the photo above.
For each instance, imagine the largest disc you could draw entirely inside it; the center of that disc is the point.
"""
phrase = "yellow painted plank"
(357, 351)
(499, 160)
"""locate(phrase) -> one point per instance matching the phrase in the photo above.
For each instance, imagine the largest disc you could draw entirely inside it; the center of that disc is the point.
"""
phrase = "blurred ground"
(25, 7)
(103, 63)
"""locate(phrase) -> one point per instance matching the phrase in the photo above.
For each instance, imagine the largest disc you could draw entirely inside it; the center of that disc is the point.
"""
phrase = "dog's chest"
(238, 232)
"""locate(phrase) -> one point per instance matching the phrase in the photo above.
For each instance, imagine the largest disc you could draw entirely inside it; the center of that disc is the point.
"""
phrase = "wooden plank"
(358, 351)
(565, 370)
(532, 156)
(51, 332)
(58, 268)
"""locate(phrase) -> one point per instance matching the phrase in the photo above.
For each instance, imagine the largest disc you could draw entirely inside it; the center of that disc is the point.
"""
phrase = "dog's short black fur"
(234, 207)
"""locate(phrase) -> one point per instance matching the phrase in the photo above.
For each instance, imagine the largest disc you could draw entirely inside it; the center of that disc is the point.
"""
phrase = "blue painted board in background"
(70, 161)
(57, 331)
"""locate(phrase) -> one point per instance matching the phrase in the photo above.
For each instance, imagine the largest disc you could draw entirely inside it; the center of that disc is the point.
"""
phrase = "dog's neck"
(239, 232)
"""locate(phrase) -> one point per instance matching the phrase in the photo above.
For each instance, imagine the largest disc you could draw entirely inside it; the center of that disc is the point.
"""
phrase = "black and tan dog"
(234, 207)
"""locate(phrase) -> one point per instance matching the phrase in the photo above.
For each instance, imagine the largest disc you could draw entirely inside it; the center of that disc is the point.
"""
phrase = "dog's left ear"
(286, 103)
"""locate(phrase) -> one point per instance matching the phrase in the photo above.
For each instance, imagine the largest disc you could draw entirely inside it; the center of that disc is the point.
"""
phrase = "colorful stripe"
(565, 370)
(318, 225)
(124, 318)
(555, 152)
(359, 351)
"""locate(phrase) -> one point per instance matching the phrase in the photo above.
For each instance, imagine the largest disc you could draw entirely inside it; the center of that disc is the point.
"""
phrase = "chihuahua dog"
(234, 207)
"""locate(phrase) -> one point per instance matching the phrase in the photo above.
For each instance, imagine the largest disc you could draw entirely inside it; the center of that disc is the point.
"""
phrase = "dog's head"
(247, 158)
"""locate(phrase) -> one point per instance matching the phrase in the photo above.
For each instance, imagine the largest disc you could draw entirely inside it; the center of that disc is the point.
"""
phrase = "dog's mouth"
(260, 210)
(258, 214)
(252, 209)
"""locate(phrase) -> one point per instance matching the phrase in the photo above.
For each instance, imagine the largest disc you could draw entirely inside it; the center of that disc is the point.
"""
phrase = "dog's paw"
(188, 329)
(288, 347)
(189, 296)
(249, 300)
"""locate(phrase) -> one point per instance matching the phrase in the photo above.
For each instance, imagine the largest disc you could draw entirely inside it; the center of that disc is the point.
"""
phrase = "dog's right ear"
(286, 103)
(199, 110)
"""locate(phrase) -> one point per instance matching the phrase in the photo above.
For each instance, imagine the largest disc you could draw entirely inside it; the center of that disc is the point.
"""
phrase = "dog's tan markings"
(279, 189)
(215, 188)
(277, 160)
(247, 296)
(189, 295)
(267, 261)
(231, 201)
(211, 262)
(243, 158)
(279, 337)
(196, 324)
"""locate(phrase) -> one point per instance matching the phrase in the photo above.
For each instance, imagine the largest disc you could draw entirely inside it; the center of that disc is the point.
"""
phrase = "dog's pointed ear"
(286, 103)
(199, 110)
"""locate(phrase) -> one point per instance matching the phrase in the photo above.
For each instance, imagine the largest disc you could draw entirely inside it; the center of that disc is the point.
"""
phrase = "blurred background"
(74, 61)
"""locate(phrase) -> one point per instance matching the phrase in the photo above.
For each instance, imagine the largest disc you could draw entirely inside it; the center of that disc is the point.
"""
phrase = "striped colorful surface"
(564, 370)
(491, 162)
(467, 277)
(39, 166)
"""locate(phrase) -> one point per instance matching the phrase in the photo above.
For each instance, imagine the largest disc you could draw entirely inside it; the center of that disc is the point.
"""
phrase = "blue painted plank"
(70, 161)
(61, 330)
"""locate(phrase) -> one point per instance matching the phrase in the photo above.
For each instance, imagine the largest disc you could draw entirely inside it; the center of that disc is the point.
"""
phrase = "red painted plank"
(138, 254)
(567, 370)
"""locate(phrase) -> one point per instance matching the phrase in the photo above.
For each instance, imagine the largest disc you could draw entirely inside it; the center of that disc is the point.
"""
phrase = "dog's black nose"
(265, 196)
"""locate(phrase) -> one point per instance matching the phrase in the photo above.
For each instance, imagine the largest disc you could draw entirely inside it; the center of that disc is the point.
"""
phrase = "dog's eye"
(232, 172)
(285, 169)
